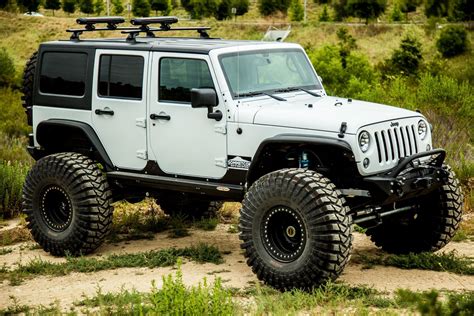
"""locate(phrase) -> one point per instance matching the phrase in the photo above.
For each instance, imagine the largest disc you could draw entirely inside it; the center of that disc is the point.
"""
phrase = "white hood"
(324, 113)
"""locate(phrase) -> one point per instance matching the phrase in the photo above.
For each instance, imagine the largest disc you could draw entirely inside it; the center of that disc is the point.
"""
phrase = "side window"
(121, 76)
(63, 73)
(179, 75)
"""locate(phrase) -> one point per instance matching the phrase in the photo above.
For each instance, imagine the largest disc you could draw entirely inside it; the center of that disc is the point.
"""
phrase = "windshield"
(268, 71)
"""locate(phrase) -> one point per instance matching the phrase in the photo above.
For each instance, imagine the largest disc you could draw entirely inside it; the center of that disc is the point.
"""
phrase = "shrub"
(452, 41)
(405, 60)
(98, 7)
(340, 9)
(12, 176)
(203, 8)
(396, 14)
(7, 68)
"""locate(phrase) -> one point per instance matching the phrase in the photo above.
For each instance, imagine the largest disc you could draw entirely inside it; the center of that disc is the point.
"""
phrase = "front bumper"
(414, 176)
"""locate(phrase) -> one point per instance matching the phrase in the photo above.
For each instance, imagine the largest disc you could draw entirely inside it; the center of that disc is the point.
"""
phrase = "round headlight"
(364, 141)
(422, 129)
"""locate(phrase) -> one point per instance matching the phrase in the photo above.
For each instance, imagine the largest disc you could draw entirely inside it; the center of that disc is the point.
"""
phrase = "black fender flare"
(43, 133)
(293, 139)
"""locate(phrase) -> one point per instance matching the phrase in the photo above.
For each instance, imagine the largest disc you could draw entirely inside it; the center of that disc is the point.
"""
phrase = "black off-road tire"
(28, 81)
(67, 201)
(430, 228)
(295, 230)
(194, 208)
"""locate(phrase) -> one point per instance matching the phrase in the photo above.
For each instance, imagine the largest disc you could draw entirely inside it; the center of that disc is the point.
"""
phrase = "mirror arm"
(217, 115)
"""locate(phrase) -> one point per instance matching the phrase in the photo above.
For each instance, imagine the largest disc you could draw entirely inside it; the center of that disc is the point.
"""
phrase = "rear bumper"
(414, 176)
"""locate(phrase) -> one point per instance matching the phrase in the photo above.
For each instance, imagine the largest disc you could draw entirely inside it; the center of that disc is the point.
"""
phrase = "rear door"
(119, 101)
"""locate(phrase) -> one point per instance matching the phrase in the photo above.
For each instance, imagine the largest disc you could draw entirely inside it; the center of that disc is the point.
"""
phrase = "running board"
(177, 184)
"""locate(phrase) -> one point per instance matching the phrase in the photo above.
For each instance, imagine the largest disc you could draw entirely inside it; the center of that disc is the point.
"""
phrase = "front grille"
(395, 143)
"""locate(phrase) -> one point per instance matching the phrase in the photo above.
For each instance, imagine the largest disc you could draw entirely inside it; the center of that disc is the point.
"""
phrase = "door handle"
(104, 112)
(160, 117)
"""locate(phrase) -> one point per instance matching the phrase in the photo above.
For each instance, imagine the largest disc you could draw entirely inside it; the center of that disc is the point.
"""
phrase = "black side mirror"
(203, 98)
(206, 98)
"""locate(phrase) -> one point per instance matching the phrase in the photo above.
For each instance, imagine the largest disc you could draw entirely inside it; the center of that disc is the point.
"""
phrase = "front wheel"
(67, 202)
(430, 228)
(295, 229)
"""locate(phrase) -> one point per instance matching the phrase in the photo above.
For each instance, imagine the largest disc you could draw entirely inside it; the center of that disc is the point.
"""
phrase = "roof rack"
(142, 25)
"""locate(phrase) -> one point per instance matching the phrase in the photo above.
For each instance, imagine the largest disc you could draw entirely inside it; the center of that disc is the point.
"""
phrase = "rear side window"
(63, 73)
(121, 76)
(179, 75)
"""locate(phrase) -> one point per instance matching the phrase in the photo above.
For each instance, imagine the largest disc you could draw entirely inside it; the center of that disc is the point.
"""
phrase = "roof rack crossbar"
(142, 26)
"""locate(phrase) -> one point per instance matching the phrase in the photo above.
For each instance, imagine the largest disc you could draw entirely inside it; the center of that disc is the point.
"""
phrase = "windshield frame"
(236, 96)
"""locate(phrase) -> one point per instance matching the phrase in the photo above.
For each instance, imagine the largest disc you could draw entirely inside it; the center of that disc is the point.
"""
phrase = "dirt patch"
(234, 271)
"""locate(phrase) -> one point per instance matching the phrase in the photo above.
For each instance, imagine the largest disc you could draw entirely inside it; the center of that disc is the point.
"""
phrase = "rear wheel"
(430, 228)
(67, 202)
(294, 229)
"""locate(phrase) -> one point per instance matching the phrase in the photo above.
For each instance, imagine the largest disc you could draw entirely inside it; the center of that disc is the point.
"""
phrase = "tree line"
(453, 10)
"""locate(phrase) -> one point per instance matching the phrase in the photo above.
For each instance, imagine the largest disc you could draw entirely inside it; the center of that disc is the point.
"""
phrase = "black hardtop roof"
(166, 44)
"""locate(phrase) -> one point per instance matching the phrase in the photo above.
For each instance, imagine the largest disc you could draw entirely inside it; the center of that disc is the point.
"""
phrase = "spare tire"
(27, 87)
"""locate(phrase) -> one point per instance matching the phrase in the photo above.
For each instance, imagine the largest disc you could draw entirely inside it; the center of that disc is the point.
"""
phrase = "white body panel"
(122, 137)
(44, 113)
(189, 143)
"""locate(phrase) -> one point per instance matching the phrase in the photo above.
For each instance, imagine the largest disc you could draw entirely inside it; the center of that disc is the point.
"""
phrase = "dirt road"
(234, 272)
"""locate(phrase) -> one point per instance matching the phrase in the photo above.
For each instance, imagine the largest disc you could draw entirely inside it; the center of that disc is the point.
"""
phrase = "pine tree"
(296, 11)
(29, 5)
(98, 7)
(324, 17)
(396, 14)
(242, 6)
(224, 10)
(86, 6)
(141, 8)
(69, 6)
(269, 7)
(52, 5)
(366, 9)
(117, 7)
(161, 5)
(436, 8)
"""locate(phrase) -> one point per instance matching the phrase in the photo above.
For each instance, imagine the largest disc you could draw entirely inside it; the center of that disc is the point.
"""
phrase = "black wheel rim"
(56, 208)
(283, 234)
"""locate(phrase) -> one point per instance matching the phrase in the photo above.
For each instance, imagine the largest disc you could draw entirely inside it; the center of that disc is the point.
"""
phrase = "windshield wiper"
(299, 89)
(252, 94)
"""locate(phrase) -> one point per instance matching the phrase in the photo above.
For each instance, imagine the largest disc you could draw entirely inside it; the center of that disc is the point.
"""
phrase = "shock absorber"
(303, 161)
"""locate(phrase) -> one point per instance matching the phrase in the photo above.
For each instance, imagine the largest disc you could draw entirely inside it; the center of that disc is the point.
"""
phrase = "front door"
(183, 140)
(119, 101)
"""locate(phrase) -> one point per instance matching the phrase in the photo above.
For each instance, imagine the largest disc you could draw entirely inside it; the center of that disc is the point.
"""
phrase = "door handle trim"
(160, 117)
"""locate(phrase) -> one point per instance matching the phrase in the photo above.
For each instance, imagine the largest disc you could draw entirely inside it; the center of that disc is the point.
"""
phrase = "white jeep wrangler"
(197, 121)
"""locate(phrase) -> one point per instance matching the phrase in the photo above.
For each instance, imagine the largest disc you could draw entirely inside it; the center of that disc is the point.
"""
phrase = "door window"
(179, 75)
(121, 76)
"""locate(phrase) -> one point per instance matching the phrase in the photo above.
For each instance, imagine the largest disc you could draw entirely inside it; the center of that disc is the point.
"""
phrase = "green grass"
(233, 229)
(162, 258)
(206, 223)
(5, 251)
(446, 262)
